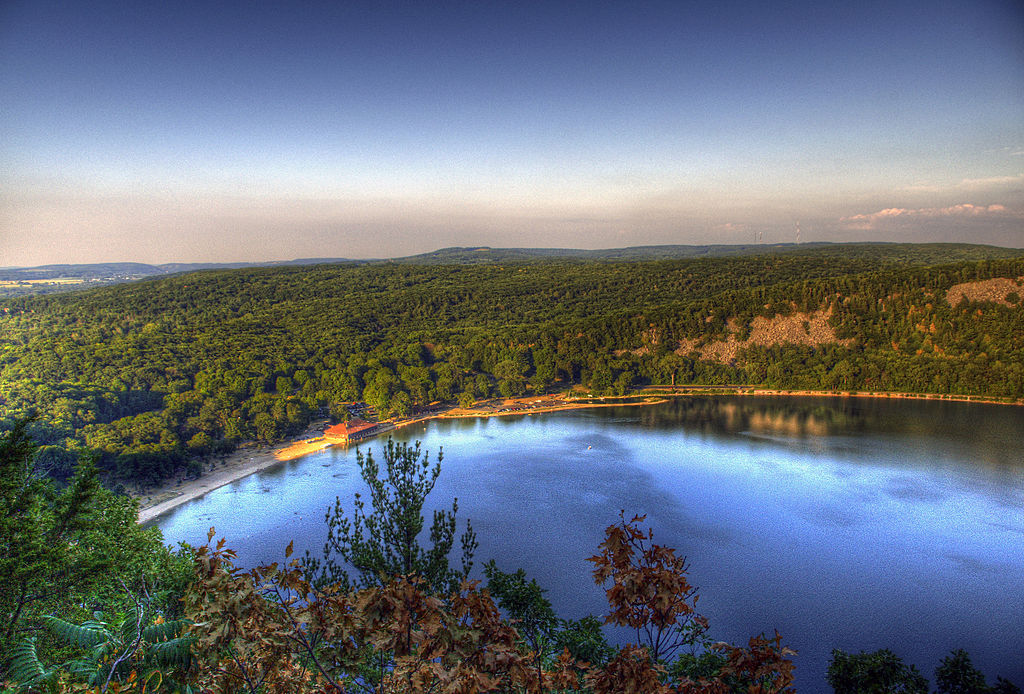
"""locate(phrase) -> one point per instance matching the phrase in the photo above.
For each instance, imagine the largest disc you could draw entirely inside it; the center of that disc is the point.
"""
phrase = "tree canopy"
(155, 375)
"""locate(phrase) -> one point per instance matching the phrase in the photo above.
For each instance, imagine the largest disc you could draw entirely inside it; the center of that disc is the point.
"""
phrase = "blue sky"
(253, 131)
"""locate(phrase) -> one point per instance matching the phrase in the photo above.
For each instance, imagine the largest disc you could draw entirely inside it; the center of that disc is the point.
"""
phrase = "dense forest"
(154, 375)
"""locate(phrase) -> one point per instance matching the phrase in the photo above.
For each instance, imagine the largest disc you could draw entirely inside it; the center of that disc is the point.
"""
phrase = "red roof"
(348, 429)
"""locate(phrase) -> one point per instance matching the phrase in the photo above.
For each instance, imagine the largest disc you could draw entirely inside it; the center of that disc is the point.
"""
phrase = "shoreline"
(879, 395)
(248, 459)
(243, 462)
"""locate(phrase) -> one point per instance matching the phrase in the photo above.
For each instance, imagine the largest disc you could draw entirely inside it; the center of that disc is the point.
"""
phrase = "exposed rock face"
(797, 329)
(995, 290)
(792, 329)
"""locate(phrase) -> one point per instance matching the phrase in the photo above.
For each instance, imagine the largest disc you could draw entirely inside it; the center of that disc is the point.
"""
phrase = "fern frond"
(99, 675)
(165, 631)
(130, 625)
(25, 667)
(168, 684)
(173, 652)
(89, 634)
(83, 668)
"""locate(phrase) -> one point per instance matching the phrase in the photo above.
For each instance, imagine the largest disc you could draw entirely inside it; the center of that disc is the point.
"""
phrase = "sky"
(253, 131)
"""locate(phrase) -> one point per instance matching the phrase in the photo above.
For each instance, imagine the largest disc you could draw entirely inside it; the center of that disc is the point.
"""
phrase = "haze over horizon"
(228, 132)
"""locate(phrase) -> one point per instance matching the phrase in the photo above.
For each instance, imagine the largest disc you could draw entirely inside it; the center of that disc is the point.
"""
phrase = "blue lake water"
(842, 522)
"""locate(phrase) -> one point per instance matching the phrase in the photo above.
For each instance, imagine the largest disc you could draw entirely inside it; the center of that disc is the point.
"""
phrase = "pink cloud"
(732, 227)
(870, 221)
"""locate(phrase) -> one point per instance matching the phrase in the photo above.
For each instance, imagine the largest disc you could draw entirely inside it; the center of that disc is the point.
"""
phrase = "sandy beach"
(249, 458)
(171, 494)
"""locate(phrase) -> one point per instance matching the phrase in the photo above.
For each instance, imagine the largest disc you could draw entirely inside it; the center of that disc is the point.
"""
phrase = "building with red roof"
(352, 430)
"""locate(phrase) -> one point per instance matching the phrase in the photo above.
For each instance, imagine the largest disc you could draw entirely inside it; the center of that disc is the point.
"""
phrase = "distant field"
(59, 280)
(28, 287)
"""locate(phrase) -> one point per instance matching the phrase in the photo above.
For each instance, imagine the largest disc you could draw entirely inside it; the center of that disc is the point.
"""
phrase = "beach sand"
(170, 495)
(250, 459)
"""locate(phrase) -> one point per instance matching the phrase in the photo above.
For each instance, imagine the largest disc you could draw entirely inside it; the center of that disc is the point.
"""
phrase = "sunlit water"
(843, 523)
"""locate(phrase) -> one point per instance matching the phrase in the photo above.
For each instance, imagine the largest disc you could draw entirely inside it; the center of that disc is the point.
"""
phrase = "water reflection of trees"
(946, 426)
(763, 415)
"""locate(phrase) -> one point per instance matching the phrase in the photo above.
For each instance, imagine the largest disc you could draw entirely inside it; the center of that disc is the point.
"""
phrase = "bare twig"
(133, 649)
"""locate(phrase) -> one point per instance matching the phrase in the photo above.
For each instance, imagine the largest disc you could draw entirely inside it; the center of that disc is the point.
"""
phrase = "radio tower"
(798, 233)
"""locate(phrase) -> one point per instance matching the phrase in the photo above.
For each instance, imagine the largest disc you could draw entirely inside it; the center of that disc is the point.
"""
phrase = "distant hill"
(46, 279)
(49, 279)
(923, 253)
(484, 254)
(124, 271)
(80, 271)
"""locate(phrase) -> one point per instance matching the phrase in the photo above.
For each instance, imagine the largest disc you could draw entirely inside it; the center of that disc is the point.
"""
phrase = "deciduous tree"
(879, 672)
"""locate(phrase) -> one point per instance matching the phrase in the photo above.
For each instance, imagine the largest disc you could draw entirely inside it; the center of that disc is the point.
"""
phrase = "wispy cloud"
(968, 184)
(921, 188)
(872, 220)
(973, 183)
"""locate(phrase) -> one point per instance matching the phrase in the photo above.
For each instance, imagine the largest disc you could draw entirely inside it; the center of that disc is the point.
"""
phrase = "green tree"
(601, 380)
(544, 374)
(383, 543)
(957, 675)
(268, 429)
(1003, 686)
(623, 383)
(483, 385)
(41, 556)
(379, 391)
(584, 640)
(880, 672)
(527, 608)
(401, 404)
(539, 627)
(510, 375)
(64, 549)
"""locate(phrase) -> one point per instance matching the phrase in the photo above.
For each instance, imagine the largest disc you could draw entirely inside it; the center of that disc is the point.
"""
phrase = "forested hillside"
(156, 374)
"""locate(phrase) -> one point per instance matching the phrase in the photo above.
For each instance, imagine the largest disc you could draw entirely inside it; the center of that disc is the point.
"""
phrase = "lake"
(845, 523)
